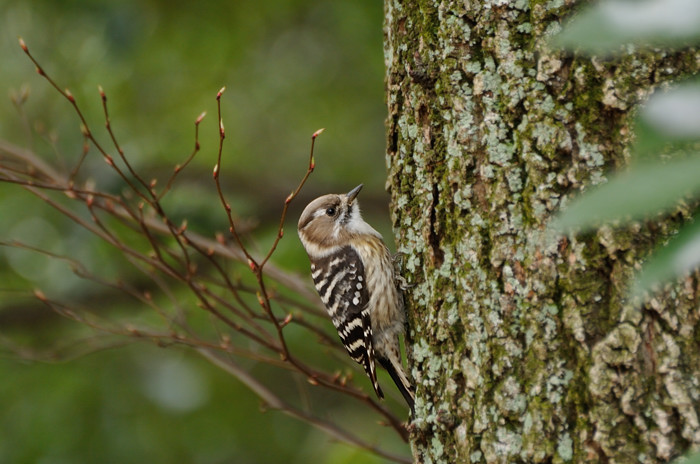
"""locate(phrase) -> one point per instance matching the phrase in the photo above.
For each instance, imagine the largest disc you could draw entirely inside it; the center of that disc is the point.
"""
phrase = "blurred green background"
(290, 67)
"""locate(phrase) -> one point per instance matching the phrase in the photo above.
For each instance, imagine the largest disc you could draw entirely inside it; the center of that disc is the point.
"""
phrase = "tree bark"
(523, 346)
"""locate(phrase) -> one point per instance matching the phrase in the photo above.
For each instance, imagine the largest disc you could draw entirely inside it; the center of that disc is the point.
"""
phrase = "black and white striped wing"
(341, 283)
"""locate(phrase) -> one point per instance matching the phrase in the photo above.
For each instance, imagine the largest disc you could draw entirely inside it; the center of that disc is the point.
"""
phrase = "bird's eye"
(330, 211)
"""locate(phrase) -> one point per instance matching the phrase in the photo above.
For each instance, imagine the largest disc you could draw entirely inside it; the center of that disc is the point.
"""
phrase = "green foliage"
(144, 404)
(636, 193)
(290, 67)
(690, 459)
(609, 27)
(667, 161)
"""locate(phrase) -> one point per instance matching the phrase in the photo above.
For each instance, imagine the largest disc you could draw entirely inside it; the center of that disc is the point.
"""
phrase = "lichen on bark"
(523, 346)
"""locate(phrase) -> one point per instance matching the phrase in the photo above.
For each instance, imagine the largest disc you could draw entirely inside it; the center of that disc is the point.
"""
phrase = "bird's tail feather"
(400, 380)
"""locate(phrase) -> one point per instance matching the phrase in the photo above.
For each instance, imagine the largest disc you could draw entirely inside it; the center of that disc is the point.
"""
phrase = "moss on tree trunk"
(523, 347)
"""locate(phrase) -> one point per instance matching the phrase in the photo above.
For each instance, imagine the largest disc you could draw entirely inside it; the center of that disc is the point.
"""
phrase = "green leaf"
(669, 121)
(680, 255)
(676, 112)
(607, 26)
(689, 459)
(643, 190)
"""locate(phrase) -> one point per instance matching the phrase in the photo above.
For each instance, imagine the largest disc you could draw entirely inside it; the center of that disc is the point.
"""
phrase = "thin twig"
(223, 298)
(275, 402)
(180, 167)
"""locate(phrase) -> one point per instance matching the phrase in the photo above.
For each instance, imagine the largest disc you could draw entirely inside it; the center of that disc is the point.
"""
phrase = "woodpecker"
(354, 275)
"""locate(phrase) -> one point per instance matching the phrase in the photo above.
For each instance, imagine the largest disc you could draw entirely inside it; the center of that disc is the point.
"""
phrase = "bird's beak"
(353, 193)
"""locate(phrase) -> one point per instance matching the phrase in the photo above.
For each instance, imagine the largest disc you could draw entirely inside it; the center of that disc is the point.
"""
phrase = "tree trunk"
(523, 346)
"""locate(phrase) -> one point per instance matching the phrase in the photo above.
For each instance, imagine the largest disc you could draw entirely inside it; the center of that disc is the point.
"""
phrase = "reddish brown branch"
(180, 167)
(225, 299)
(292, 196)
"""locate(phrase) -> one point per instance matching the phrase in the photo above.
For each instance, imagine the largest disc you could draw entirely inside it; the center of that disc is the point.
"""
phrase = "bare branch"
(276, 402)
(173, 259)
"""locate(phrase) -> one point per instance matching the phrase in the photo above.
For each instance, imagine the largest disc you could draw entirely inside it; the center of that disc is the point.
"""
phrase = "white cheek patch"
(316, 251)
(358, 225)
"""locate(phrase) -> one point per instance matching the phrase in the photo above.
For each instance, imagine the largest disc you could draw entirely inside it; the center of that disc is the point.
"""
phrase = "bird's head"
(331, 221)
